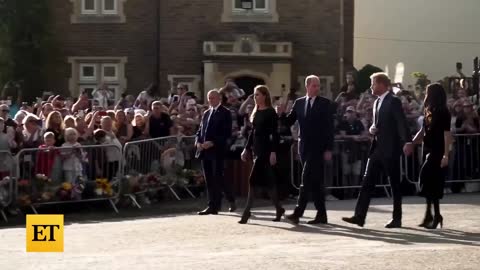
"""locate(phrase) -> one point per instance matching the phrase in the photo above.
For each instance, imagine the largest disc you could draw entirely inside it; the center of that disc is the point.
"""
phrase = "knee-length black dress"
(432, 176)
(263, 140)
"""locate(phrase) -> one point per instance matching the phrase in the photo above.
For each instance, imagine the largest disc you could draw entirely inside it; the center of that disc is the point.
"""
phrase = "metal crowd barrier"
(464, 161)
(346, 169)
(7, 182)
(151, 165)
(60, 175)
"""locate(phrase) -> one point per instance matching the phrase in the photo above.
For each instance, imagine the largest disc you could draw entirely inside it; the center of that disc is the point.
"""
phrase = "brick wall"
(134, 39)
(312, 26)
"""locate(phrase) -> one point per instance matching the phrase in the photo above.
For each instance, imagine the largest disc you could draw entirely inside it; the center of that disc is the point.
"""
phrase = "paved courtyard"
(188, 241)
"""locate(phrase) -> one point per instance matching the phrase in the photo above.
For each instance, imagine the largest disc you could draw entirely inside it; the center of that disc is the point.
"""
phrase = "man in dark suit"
(315, 118)
(211, 142)
(391, 133)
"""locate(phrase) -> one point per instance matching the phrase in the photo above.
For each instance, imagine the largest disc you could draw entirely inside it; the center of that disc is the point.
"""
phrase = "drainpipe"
(157, 46)
(341, 52)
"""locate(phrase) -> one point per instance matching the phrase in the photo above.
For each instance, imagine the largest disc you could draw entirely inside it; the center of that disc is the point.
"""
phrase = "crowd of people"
(96, 118)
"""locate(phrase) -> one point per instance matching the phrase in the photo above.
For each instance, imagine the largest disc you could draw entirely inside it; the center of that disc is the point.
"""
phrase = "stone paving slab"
(188, 241)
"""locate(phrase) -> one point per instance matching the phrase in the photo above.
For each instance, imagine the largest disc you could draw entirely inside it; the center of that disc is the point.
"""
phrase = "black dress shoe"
(354, 220)
(279, 214)
(318, 221)
(208, 211)
(245, 217)
(394, 223)
(232, 208)
(293, 219)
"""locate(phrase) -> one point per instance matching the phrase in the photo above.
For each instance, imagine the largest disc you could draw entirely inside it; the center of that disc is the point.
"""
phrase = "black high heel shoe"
(436, 220)
(279, 215)
(426, 221)
(245, 217)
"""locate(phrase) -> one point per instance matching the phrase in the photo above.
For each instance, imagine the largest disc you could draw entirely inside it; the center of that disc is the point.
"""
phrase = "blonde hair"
(48, 121)
(70, 131)
(263, 89)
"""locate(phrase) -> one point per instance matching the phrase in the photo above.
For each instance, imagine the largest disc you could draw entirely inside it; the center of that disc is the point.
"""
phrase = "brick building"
(131, 43)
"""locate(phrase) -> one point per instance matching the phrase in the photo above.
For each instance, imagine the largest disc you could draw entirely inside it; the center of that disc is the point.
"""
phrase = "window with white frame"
(90, 72)
(110, 72)
(99, 7)
(250, 11)
(89, 7)
(255, 5)
(98, 11)
(109, 6)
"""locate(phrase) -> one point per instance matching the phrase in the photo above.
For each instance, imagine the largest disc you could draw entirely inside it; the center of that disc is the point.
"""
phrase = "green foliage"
(24, 43)
(363, 76)
(422, 80)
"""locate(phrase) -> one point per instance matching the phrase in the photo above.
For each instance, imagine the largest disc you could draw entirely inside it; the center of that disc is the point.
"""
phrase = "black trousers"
(375, 169)
(312, 185)
(216, 183)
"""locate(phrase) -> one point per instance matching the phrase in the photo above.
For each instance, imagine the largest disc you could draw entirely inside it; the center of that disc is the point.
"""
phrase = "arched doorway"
(248, 83)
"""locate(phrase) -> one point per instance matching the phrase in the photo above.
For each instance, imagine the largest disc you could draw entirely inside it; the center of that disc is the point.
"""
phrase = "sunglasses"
(5, 111)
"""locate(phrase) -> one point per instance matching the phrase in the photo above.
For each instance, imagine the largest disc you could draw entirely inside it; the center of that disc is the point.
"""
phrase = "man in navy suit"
(315, 118)
(212, 145)
(391, 135)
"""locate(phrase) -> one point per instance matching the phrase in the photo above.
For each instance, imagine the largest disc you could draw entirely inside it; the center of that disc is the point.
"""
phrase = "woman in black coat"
(262, 144)
(437, 138)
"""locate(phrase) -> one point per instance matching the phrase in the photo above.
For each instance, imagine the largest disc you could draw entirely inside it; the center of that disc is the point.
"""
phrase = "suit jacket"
(392, 130)
(316, 133)
(218, 131)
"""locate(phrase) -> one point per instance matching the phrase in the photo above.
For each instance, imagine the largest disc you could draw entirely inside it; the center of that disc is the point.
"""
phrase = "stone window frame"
(79, 16)
(231, 14)
(77, 83)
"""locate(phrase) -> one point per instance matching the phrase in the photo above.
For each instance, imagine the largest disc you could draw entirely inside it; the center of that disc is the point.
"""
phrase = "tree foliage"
(422, 80)
(25, 43)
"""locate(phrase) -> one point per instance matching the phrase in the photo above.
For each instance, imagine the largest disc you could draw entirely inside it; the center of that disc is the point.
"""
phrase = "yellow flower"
(66, 186)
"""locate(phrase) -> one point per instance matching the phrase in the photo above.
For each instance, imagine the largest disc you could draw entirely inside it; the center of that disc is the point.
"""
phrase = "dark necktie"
(377, 104)
(208, 121)
(309, 107)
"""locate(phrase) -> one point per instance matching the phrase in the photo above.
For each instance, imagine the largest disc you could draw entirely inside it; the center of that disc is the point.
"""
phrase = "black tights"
(436, 207)
(272, 192)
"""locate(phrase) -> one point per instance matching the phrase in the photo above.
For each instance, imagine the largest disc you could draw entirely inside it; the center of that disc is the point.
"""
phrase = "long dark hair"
(262, 89)
(435, 100)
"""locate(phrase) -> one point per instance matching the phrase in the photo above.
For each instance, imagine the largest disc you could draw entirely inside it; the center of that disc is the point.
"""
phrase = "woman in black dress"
(436, 137)
(263, 142)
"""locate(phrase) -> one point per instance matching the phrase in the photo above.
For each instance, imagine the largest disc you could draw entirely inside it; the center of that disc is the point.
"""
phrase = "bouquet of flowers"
(190, 177)
(104, 187)
(42, 188)
(64, 193)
